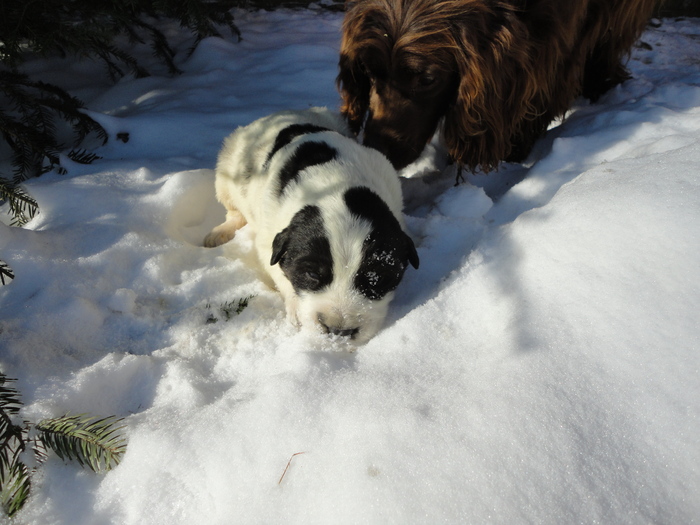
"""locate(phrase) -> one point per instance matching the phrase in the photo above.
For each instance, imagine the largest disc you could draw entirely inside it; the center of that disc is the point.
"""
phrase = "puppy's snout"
(330, 328)
(344, 332)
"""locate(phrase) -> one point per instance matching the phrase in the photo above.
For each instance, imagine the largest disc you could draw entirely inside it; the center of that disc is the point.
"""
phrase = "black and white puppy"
(326, 214)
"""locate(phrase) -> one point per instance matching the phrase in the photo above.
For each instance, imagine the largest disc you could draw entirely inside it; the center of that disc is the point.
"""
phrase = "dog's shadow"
(446, 221)
(447, 231)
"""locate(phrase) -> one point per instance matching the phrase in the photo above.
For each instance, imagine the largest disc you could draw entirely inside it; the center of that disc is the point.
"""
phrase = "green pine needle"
(82, 156)
(32, 111)
(22, 206)
(9, 396)
(96, 443)
(15, 483)
(10, 405)
(235, 307)
(91, 442)
(6, 273)
(14, 475)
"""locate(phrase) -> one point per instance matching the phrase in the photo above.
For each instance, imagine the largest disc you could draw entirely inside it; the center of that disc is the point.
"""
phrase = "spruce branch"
(10, 401)
(22, 206)
(235, 307)
(82, 156)
(15, 483)
(229, 309)
(28, 123)
(82, 28)
(10, 405)
(14, 475)
(91, 442)
(6, 273)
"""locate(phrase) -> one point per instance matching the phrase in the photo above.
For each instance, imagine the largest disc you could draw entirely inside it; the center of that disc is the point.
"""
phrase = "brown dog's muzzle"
(399, 127)
(386, 140)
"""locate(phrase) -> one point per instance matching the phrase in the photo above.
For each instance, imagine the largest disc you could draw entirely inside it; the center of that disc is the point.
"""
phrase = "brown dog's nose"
(399, 153)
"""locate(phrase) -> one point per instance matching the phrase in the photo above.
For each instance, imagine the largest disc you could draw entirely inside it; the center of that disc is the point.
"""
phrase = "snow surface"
(542, 366)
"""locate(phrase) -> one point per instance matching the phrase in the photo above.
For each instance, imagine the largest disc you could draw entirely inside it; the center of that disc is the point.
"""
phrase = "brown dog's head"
(407, 64)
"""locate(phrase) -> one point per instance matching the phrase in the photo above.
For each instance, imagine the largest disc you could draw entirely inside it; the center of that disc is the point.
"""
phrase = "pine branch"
(69, 108)
(15, 483)
(28, 125)
(82, 156)
(23, 207)
(235, 307)
(159, 45)
(14, 476)
(6, 273)
(82, 28)
(92, 442)
(10, 405)
(229, 309)
(9, 396)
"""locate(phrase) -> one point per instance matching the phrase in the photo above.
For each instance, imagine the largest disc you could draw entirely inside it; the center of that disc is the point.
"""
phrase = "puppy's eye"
(312, 276)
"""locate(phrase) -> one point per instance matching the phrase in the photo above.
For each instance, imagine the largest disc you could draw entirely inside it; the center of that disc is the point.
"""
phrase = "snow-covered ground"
(542, 366)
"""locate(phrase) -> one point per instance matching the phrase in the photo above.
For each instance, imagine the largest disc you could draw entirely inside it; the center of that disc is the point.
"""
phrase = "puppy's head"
(344, 259)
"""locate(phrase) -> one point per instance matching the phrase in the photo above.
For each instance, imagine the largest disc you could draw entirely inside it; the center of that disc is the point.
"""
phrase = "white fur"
(247, 188)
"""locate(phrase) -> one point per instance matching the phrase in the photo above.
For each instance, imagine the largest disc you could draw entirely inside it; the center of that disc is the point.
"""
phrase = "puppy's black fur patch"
(387, 250)
(289, 133)
(307, 154)
(303, 251)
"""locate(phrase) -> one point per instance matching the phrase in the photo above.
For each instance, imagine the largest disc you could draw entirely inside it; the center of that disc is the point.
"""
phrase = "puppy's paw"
(218, 236)
(225, 231)
(292, 313)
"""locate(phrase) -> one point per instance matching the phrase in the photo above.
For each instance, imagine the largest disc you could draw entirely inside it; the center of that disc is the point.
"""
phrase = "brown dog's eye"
(426, 79)
(373, 68)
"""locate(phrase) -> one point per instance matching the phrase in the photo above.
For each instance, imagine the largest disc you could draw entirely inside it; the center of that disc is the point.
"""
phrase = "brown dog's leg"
(603, 72)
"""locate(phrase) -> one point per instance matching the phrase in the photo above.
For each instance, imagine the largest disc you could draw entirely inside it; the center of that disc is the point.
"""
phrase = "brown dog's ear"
(353, 85)
(496, 88)
(352, 81)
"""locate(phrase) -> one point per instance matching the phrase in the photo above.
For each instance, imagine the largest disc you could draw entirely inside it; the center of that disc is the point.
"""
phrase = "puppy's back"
(247, 150)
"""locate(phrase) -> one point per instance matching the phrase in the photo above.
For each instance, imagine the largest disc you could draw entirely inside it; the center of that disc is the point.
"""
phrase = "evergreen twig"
(82, 156)
(22, 206)
(15, 483)
(14, 475)
(91, 442)
(83, 28)
(235, 307)
(229, 309)
(6, 273)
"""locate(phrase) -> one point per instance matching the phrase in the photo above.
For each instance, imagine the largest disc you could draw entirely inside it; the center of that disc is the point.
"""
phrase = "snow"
(542, 365)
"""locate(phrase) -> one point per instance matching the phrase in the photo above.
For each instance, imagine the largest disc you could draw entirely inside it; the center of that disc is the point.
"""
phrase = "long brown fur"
(506, 69)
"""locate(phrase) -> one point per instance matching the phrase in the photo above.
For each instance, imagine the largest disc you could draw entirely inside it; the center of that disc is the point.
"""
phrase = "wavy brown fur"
(504, 70)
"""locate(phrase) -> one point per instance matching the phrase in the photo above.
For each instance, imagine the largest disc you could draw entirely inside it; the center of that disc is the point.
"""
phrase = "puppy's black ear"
(412, 253)
(279, 246)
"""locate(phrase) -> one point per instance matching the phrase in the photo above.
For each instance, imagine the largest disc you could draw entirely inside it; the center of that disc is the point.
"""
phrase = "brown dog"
(497, 72)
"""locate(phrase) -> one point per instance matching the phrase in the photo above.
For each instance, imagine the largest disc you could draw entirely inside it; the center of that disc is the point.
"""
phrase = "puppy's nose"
(344, 332)
(335, 330)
